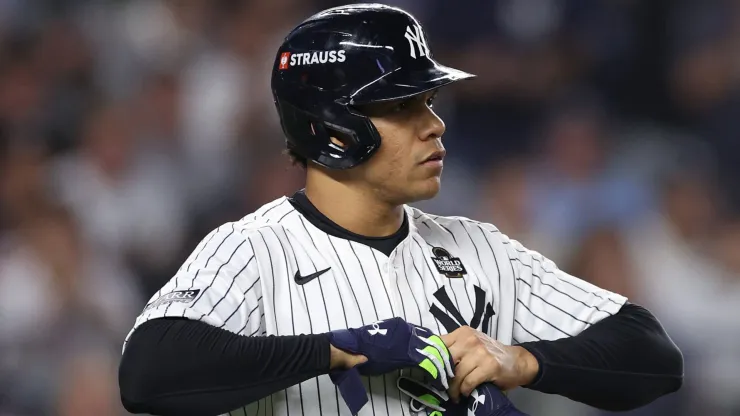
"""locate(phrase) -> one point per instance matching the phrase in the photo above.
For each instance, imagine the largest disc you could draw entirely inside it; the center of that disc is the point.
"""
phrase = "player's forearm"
(182, 367)
(623, 362)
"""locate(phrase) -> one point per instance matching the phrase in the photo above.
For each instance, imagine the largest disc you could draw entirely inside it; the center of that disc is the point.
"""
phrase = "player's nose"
(432, 127)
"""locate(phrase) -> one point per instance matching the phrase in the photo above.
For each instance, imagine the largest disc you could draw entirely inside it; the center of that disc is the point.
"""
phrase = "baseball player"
(332, 300)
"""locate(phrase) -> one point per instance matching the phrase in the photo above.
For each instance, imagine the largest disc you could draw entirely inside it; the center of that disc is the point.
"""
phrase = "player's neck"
(355, 209)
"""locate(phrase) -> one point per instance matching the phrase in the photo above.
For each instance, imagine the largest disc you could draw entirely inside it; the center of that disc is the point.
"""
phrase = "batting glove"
(485, 400)
(389, 345)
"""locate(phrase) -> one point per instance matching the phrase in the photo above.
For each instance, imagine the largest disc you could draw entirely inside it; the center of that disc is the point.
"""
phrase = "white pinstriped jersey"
(241, 278)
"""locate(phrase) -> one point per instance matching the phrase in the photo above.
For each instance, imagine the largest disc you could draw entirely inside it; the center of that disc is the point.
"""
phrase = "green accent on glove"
(427, 363)
(429, 399)
(430, 367)
(423, 395)
(437, 340)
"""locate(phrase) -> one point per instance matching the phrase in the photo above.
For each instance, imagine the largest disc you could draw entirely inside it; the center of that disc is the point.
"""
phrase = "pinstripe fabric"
(245, 270)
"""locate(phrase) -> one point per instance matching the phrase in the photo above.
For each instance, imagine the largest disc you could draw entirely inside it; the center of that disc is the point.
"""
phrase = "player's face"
(408, 165)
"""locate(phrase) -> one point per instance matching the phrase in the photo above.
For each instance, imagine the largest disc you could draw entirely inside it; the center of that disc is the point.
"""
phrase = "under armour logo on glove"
(376, 330)
(485, 400)
(389, 345)
(475, 400)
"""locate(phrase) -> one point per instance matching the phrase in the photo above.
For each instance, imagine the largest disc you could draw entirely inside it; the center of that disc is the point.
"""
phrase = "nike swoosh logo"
(302, 280)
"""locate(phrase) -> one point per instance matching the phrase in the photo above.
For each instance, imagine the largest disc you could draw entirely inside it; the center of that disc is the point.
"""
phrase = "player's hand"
(341, 360)
(479, 359)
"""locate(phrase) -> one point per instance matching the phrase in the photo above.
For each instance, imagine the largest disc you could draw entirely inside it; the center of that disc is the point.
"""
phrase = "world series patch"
(447, 265)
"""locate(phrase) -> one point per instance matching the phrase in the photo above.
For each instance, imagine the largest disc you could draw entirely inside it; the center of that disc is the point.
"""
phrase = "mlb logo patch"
(284, 60)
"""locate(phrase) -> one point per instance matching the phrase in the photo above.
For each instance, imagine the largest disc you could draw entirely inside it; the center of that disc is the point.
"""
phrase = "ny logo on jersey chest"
(453, 319)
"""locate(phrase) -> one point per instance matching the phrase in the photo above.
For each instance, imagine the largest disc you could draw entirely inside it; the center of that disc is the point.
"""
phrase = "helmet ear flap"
(342, 143)
(339, 138)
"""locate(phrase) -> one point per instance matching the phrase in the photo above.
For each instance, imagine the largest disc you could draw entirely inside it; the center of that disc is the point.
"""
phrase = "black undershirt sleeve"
(183, 367)
(621, 363)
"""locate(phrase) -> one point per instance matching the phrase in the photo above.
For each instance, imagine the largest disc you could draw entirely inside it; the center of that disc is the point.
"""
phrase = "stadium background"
(602, 133)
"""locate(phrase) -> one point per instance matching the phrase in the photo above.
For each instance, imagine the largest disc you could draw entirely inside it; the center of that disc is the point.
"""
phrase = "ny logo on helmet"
(415, 36)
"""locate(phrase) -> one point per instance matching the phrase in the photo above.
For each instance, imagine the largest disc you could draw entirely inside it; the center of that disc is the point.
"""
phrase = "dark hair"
(296, 159)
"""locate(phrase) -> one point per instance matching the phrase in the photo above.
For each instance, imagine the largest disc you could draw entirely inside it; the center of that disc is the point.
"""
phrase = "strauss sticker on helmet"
(310, 58)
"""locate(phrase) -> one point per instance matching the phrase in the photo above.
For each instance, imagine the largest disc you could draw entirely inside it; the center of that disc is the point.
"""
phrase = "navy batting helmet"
(341, 58)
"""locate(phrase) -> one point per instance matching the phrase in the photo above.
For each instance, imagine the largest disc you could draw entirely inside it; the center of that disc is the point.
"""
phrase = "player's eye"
(430, 100)
(414, 102)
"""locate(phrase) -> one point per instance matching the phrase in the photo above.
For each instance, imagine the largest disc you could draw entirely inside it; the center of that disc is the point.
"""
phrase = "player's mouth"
(435, 159)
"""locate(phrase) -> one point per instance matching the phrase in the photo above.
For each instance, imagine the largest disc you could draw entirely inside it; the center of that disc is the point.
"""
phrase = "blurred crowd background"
(604, 134)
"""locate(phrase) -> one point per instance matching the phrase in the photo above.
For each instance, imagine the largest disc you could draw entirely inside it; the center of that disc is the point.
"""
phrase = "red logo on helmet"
(285, 60)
